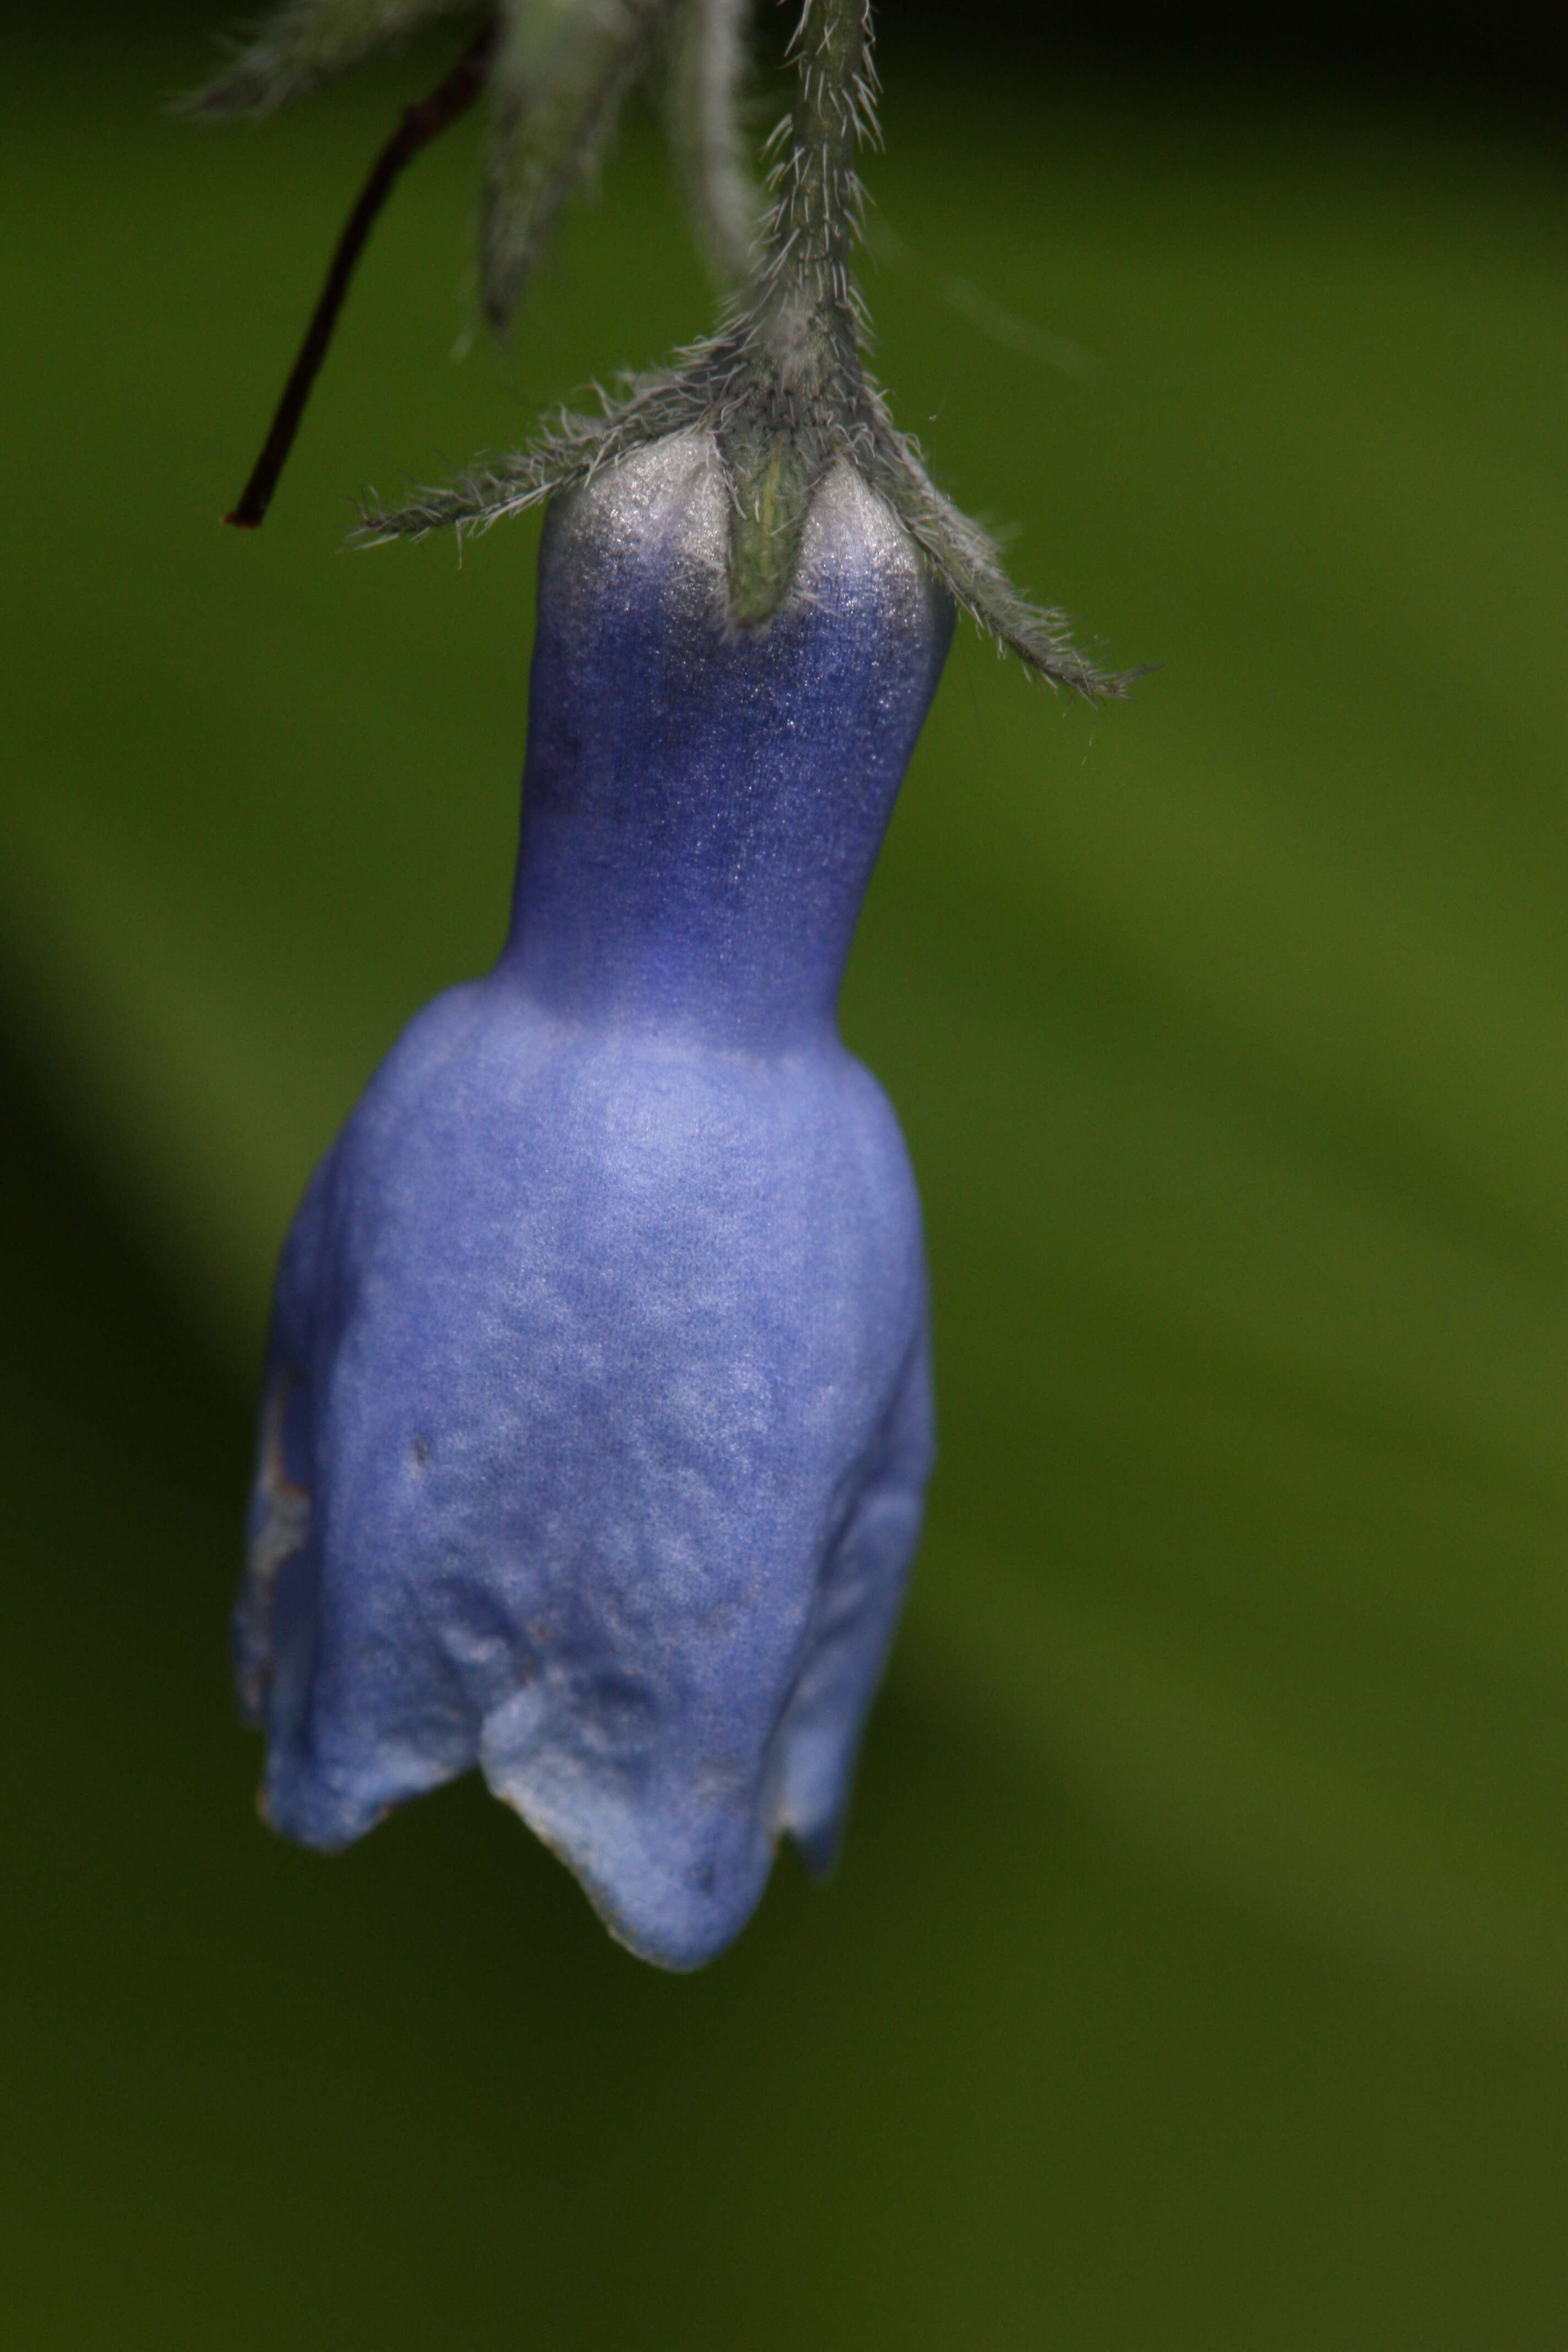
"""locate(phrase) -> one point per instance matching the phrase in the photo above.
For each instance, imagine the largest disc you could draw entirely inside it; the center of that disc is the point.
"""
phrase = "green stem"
(801, 334)
(817, 214)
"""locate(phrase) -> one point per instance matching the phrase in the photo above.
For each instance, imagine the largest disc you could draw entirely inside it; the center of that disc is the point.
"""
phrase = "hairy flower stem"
(420, 124)
(801, 334)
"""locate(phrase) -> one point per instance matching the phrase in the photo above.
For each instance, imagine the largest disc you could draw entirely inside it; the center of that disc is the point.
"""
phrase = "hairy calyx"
(782, 386)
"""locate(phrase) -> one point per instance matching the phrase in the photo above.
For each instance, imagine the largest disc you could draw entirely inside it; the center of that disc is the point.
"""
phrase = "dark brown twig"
(419, 126)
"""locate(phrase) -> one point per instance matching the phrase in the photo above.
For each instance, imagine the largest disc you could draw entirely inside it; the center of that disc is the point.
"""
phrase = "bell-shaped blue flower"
(598, 1410)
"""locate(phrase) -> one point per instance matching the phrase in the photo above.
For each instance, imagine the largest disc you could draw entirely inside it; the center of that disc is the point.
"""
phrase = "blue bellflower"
(599, 1415)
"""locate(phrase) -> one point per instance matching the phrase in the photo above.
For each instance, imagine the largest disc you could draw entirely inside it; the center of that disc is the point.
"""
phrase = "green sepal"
(562, 73)
(310, 42)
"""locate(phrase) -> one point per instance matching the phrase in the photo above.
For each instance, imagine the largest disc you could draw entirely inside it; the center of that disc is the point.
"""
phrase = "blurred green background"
(1197, 1971)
